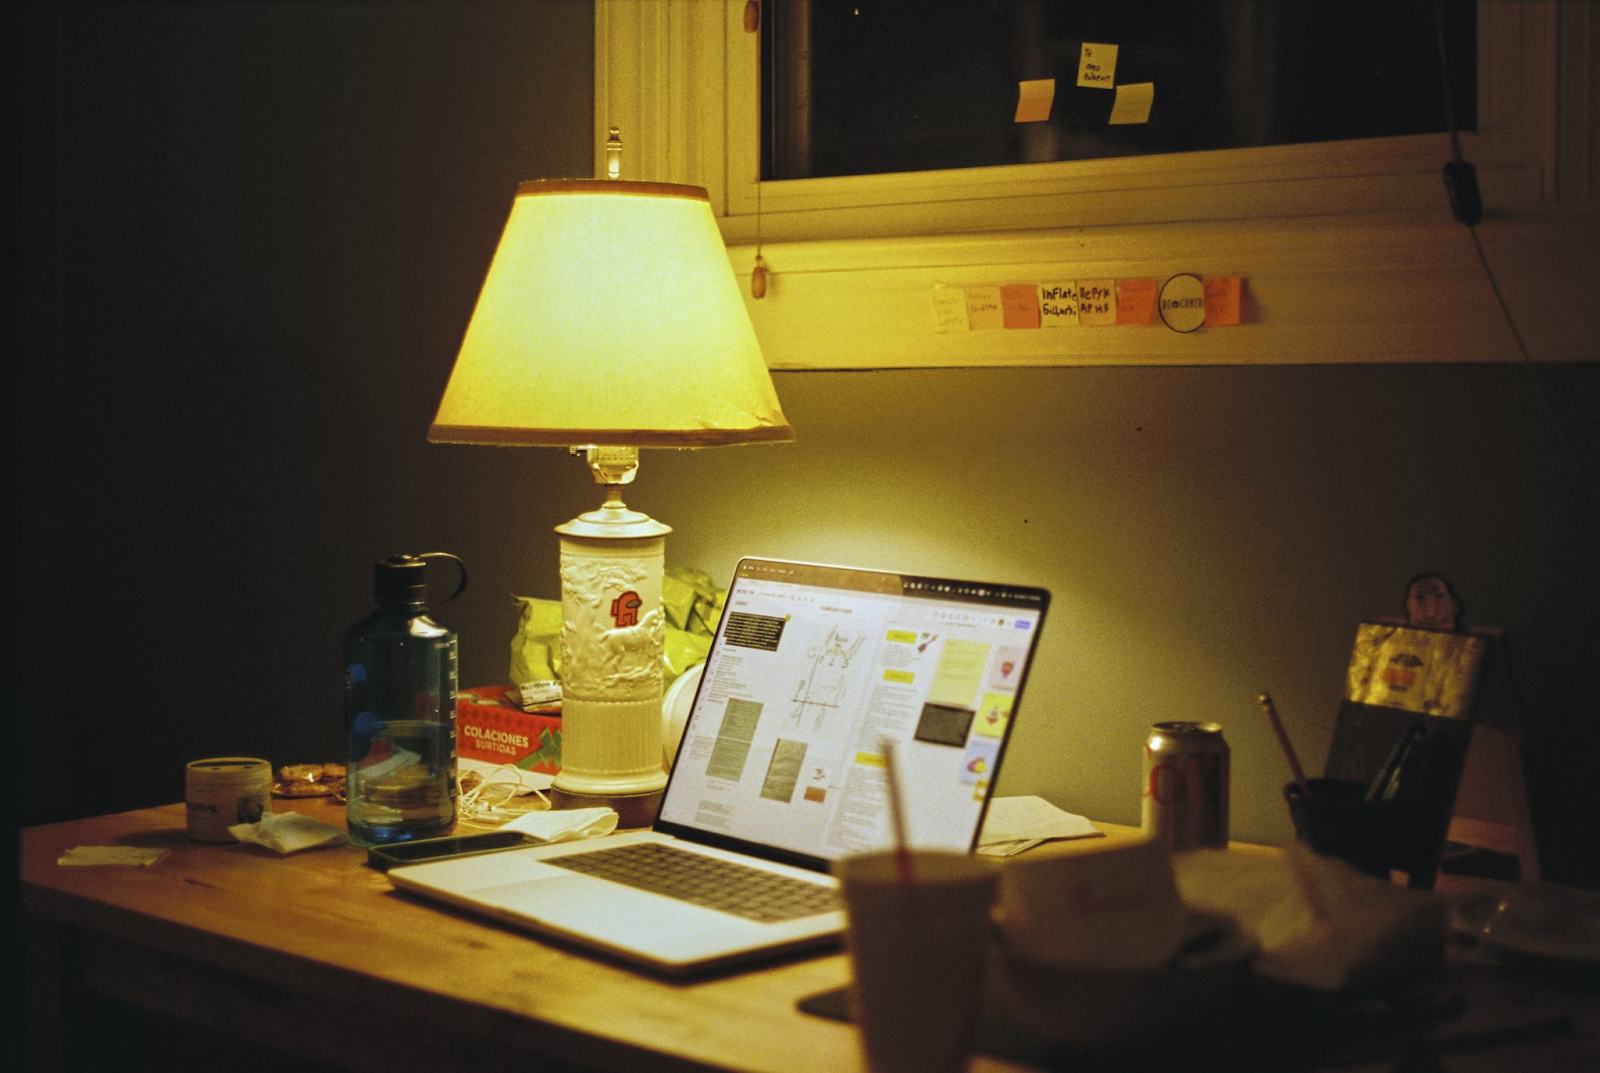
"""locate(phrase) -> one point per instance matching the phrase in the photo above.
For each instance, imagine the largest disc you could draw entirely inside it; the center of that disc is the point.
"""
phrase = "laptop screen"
(812, 668)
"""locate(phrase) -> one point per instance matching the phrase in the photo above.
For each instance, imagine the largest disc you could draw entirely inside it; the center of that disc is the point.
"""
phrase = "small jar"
(225, 791)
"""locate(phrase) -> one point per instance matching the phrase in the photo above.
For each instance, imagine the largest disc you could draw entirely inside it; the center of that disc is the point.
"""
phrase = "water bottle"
(400, 709)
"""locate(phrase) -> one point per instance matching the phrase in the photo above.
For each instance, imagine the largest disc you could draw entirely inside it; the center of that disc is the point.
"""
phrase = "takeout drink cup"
(1114, 906)
(917, 952)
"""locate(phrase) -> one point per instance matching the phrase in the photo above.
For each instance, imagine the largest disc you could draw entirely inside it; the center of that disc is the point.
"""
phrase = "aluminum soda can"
(1186, 785)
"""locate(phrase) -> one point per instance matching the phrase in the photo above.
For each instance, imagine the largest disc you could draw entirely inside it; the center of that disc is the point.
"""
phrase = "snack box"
(491, 725)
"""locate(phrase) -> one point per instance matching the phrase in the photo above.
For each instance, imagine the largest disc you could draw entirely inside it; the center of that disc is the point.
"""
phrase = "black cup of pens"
(1338, 820)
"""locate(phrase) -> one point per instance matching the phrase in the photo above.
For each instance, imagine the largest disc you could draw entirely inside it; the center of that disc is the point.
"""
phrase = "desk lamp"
(610, 320)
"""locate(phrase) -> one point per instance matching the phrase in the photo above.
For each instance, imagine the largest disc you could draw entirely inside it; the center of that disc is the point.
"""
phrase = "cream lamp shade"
(610, 320)
(610, 317)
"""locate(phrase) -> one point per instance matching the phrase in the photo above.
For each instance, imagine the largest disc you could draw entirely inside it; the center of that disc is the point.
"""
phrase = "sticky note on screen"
(1034, 98)
(949, 309)
(1019, 304)
(1133, 103)
(1222, 301)
(1097, 301)
(984, 311)
(1097, 66)
(1136, 301)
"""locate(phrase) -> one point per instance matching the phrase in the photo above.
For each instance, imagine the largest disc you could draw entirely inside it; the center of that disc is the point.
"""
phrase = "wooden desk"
(313, 953)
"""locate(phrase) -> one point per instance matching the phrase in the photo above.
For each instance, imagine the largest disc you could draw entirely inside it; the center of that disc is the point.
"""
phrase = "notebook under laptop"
(780, 770)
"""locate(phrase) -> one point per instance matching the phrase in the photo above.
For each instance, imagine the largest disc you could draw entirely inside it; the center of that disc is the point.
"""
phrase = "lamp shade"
(610, 317)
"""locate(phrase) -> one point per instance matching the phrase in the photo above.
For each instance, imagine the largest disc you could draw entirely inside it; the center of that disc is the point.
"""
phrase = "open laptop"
(781, 771)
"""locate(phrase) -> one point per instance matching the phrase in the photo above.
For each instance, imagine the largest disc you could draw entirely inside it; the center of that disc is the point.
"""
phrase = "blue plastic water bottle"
(400, 709)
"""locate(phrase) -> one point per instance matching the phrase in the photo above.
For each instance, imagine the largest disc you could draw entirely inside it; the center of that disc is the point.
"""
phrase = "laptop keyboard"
(752, 893)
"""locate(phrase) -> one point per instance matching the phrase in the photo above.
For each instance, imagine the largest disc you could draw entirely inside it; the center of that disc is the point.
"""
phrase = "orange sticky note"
(1020, 305)
(1034, 98)
(1222, 301)
(1136, 300)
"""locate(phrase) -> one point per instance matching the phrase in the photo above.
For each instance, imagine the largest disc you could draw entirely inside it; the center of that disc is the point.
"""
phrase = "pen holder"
(1336, 821)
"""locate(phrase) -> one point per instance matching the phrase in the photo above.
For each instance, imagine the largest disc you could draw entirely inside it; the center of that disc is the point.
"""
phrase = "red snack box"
(491, 726)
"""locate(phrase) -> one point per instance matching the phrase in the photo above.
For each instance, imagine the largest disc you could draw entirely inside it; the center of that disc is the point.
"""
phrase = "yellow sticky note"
(984, 311)
(1133, 103)
(949, 309)
(1097, 66)
(1136, 301)
(1058, 305)
(1097, 301)
(1222, 302)
(1034, 98)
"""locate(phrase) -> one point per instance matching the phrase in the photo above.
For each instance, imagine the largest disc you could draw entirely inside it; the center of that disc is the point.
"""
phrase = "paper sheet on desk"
(1018, 823)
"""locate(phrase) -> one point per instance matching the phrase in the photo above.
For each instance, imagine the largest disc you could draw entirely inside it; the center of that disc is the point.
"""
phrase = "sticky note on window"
(1097, 301)
(1019, 304)
(1097, 66)
(1058, 305)
(1034, 99)
(984, 311)
(949, 309)
(1222, 302)
(1133, 103)
(1136, 301)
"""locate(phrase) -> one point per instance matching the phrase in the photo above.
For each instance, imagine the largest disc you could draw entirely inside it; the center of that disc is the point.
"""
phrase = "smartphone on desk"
(395, 854)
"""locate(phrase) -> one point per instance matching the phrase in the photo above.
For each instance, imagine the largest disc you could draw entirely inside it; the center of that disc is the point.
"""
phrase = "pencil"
(1283, 743)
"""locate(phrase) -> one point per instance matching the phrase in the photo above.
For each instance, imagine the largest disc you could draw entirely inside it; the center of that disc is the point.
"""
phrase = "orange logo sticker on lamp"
(625, 609)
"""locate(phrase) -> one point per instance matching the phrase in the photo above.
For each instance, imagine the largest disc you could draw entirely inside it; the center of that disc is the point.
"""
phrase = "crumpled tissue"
(1318, 921)
(288, 832)
(565, 825)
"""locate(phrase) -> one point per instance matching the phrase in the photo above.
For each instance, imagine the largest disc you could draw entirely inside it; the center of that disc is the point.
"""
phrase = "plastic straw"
(902, 852)
(1283, 743)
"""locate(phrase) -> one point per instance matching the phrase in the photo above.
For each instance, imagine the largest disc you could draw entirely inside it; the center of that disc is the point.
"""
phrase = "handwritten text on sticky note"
(1222, 301)
(1097, 301)
(1136, 301)
(1058, 305)
(1097, 66)
(984, 311)
(1034, 98)
(1019, 302)
(1133, 103)
(949, 309)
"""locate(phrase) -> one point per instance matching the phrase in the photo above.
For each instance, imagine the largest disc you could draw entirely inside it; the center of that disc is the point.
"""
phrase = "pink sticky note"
(1034, 98)
(1136, 300)
(1222, 301)
(1020, 304)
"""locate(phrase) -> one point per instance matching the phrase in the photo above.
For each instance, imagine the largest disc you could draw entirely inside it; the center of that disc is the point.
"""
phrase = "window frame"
(681, 80)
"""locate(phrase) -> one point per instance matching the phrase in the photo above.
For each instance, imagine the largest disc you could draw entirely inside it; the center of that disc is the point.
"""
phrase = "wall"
(256, 233)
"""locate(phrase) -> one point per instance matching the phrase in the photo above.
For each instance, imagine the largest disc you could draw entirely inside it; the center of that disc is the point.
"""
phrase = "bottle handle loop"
(460, 566)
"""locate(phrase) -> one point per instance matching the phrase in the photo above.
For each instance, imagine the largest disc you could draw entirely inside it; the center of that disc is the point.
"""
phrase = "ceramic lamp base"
(633, 810)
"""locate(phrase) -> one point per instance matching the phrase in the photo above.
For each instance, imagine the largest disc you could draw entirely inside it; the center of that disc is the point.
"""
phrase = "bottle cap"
(400, 582)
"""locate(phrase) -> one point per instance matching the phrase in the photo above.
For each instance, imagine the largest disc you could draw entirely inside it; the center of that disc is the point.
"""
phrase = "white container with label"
(225, 791)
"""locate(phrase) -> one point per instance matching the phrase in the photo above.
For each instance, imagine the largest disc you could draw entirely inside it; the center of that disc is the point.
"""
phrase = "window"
(859, 87)
(1347, 247)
